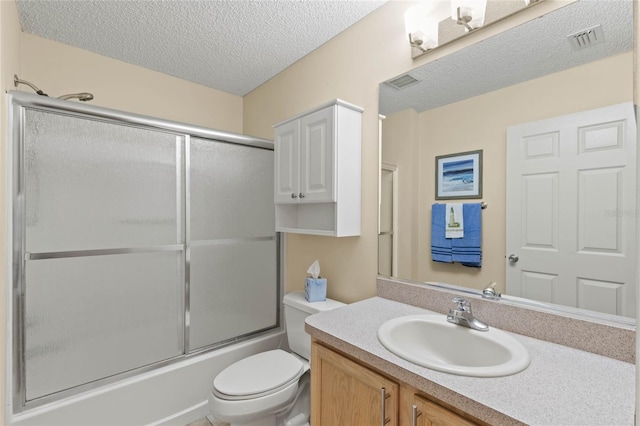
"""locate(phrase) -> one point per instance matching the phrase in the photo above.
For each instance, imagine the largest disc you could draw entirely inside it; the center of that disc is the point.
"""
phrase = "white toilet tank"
(296, 309)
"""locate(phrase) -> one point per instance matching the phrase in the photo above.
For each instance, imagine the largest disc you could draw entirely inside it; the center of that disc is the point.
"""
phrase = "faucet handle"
(463, 304)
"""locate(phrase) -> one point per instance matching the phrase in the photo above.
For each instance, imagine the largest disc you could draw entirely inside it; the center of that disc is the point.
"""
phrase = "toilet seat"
(248, 410)
(258, 375)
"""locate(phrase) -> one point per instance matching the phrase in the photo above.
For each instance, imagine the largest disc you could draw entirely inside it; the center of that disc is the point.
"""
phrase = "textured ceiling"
(531, 50)
(233, 46)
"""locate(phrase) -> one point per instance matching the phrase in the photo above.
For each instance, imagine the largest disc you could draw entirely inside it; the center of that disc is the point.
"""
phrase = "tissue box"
(315, 289)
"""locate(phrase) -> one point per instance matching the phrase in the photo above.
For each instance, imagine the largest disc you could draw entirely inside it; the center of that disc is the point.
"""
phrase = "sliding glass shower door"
(134, 245)
(231, 242)
(103, 231)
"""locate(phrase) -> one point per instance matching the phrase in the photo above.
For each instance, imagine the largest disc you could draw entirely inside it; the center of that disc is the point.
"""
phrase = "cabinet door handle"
(414, 415)
(383, 415)
(294, 195)
(301, 195)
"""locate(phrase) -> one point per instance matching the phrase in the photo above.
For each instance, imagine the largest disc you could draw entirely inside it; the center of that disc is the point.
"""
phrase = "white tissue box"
(315, 289)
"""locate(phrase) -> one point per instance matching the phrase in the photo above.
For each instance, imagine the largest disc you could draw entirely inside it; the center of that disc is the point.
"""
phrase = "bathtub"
(173, 395)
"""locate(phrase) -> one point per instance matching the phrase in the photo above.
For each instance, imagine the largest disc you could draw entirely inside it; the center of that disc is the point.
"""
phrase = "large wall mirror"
(572, 63)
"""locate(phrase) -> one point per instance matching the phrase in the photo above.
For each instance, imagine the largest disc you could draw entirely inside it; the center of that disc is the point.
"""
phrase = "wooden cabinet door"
(287, 162)
(317, 152)
(346, 393)
(429, 413)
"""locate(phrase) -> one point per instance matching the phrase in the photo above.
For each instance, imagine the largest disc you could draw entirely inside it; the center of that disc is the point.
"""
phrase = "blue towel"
(468, 249)
(440, 246)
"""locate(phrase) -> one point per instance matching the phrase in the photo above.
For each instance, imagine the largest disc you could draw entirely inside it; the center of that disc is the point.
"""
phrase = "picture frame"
(459, 176)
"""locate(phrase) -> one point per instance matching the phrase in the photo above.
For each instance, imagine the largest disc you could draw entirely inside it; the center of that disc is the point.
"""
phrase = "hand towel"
(440, 246)
(454, 220)
(468, 249)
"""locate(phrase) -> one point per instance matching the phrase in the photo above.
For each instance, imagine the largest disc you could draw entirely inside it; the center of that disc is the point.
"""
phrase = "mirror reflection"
(558, 85)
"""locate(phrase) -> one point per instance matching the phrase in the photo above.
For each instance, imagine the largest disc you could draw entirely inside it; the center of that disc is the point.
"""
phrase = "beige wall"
(350, 67)
(58, 69)
(485, 119)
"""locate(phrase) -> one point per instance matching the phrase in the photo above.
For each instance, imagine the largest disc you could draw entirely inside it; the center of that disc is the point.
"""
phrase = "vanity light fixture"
(469, 13)
(423, 21)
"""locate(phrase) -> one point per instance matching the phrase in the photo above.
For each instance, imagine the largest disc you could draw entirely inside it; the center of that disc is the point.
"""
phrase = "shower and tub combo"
(145, 261)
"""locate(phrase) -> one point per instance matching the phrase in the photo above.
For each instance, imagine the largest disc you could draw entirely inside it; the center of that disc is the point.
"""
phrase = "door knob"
(513, 258)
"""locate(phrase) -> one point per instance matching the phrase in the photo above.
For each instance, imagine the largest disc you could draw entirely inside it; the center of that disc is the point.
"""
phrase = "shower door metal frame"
(18, 103)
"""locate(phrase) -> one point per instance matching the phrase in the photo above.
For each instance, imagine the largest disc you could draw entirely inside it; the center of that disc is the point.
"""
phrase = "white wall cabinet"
(317, 171)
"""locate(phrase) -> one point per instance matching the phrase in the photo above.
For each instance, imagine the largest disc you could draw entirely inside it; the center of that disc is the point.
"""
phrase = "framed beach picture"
(459, 175)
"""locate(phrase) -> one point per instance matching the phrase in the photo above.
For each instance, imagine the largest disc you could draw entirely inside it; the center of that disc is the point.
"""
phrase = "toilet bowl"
(271, 388)
(258, 387)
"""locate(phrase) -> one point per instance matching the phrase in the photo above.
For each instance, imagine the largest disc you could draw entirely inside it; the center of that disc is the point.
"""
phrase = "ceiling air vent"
(586, 38)
(403, 81)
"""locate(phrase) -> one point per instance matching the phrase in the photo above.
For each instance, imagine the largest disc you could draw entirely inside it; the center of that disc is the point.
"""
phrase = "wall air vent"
(586, 38)
(403, 81)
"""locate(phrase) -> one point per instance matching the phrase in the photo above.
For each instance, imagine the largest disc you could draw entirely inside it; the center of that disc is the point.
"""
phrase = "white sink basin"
(432, 342)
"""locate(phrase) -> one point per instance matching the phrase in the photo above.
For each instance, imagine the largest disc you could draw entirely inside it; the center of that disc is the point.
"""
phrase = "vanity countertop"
(561, 386)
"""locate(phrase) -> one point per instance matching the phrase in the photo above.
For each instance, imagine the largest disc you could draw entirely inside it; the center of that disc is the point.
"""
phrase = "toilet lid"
(258, 374)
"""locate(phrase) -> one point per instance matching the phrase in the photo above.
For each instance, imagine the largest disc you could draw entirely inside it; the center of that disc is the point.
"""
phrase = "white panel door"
(317, 156)
(571, 210)
(287, 163)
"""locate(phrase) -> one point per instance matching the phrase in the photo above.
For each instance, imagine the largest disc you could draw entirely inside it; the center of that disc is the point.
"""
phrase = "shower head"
(83, 96)
(17, 81)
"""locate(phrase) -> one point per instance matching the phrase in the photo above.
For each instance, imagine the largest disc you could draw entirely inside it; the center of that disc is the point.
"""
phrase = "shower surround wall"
(138, 243)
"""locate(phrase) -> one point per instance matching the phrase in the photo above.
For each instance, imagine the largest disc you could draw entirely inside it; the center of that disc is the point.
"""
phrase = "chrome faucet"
(490, 292)
(463, 316)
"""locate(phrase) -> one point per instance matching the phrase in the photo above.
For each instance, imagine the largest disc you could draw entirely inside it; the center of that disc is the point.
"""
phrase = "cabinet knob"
(294, 195)
(301, 195)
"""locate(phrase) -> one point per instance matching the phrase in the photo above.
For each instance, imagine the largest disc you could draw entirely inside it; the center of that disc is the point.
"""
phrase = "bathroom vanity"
(562, 385)
(354, 387)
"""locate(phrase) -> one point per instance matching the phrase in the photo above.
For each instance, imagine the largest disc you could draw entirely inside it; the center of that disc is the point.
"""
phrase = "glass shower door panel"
(97, 185)
(233, 291)
(231, 191)
(88, 318)
(233, 251)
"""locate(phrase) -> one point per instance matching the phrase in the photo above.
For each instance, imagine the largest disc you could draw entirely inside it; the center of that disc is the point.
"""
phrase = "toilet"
(271, 388)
